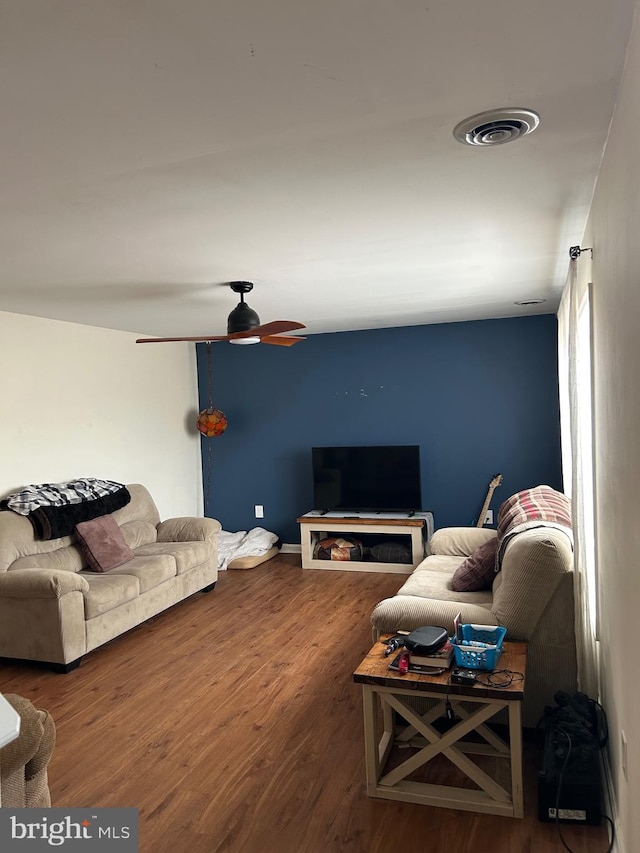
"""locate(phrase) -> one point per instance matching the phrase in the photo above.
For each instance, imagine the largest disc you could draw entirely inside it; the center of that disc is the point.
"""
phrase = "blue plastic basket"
(478, 657)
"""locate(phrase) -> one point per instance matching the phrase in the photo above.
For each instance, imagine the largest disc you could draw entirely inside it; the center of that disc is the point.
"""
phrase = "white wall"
(79, 401)
(614, 233)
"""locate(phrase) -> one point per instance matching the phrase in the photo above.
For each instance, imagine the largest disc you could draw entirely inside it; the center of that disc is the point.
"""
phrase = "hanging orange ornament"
(211, 422)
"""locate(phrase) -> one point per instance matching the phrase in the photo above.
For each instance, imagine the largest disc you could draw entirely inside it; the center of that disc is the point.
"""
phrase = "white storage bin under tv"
(316, 525)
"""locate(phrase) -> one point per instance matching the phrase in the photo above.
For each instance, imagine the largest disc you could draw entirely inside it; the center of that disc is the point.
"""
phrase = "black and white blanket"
(54, 509)
(59, 494)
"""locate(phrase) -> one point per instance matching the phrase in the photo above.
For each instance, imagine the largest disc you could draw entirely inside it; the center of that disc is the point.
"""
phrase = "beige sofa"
(532, 597)
(53, 609)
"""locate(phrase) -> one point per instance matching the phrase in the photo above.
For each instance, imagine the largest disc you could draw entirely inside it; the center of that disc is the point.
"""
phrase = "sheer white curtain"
(576, 416)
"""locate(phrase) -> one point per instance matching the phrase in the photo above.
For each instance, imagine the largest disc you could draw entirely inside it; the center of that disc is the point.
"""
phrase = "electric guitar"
(493, 485)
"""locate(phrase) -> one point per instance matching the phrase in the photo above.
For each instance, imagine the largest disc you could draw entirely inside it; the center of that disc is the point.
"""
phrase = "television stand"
(371, 514)
(316, 525)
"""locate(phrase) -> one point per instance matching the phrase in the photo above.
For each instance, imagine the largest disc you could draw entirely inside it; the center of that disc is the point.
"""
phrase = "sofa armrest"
(188, 530)
(407, 612)
(537, 566)
(40, 583)
(42, 615)
(34, 745)
(459, 541)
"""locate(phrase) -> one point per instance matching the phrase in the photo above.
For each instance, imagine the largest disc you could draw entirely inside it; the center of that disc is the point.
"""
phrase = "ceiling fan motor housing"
(242, 319)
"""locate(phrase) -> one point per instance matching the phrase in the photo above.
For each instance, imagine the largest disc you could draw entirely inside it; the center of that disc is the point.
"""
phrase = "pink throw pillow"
(102, 543)
(478, 571)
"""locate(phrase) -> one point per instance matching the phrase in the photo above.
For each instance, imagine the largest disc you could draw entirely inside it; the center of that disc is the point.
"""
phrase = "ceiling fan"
(243, 326)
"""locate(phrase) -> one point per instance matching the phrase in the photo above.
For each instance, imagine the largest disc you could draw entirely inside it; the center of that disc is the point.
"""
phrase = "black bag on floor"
(575, 734)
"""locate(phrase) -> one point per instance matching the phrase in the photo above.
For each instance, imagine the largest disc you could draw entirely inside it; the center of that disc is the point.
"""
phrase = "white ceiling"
(152, 150)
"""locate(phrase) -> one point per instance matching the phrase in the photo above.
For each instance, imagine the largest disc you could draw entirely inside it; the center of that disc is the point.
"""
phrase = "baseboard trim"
(290, 548)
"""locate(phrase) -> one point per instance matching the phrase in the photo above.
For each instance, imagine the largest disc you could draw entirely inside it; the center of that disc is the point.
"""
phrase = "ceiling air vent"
(496, 127)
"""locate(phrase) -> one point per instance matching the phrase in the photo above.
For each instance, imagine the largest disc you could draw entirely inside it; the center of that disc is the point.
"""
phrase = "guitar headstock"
(497, 481)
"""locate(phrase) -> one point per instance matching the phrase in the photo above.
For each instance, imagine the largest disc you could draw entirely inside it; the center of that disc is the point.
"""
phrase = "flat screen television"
(367, 479)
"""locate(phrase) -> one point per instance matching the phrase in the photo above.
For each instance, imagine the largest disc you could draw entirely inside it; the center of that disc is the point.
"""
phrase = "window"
(585, 453)
(575, 375)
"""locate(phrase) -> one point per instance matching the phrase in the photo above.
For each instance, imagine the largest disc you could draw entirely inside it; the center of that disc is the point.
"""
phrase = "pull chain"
(208, 345)
(209, 448)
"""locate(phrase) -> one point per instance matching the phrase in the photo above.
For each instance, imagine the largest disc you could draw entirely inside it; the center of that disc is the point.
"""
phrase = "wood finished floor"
(232, 723)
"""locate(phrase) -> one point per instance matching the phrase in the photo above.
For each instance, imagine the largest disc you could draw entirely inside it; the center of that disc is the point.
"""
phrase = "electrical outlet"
(488, 519)
(623, 754)
(259, 511)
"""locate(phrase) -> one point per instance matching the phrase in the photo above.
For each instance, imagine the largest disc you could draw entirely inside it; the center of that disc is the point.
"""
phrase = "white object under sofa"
(54, 609)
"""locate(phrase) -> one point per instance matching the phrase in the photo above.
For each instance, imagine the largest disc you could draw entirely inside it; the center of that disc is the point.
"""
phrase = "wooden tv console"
(315, 526)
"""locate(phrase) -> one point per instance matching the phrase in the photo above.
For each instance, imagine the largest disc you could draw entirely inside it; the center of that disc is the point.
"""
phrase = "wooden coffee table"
(385, 697)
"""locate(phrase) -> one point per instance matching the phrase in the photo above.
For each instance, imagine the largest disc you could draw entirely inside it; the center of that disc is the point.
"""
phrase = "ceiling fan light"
(253, 339)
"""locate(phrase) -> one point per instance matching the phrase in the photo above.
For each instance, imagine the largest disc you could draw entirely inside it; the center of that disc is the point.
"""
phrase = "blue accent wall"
(479, 398)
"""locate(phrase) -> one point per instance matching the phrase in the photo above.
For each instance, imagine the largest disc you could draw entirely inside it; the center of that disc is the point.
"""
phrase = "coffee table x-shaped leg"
(473, 712)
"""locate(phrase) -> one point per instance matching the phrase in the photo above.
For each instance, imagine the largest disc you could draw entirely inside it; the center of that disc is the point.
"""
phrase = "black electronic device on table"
(463, 676)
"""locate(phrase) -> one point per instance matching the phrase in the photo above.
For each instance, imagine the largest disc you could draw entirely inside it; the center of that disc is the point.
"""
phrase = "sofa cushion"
(187, 555)
(67, 559)
(479, 570)
(108, 591)
(432, 579)
(138, 533)
(102, 543)
(17, 543)
(141, 508)
(459, 541)
(150, 571)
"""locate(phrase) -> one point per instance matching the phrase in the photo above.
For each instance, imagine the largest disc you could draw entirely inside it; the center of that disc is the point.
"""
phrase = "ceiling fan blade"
(273, 328)
(286, 341)
(195, 339)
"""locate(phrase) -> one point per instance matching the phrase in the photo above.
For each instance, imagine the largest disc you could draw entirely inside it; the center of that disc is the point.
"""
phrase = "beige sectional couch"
(53, 609)
(532, 597)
